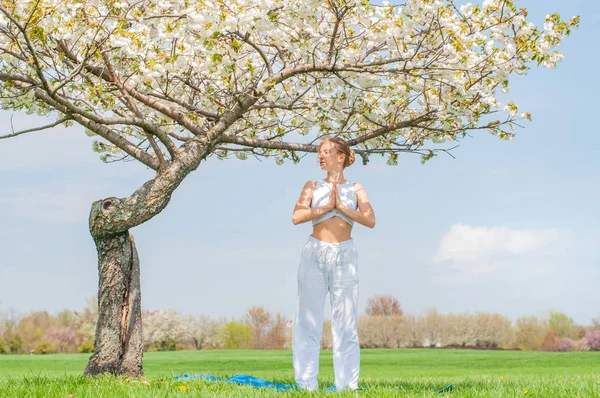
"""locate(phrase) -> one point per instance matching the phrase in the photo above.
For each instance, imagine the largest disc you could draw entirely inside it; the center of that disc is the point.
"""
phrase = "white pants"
(327, 267)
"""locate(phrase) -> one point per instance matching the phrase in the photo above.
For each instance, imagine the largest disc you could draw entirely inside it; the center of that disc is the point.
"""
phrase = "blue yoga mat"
(240, 379)
(260, 383)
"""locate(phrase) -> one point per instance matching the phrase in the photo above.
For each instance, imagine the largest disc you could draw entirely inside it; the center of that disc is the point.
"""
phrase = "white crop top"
(347, 194)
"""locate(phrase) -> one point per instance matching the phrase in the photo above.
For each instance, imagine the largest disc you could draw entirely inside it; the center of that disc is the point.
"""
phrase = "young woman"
(329, 263)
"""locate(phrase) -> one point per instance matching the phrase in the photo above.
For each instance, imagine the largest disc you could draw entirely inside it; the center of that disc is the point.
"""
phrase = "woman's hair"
(342, 147)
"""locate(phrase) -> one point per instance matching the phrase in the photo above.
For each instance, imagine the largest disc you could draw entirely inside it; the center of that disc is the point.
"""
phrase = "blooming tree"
(171, 82)
(163, 328)
(201, 330)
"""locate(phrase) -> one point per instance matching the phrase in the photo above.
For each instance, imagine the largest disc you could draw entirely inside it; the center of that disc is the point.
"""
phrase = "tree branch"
(390, 128)
(157, 105)
(339, 16)
(36, 61)
(133, 107)
(246, 39)
(16, 78)
(48, 126)
(258, 143)
(103, 131)
(120, 142)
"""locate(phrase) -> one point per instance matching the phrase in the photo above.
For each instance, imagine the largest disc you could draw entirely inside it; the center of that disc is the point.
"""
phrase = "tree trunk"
(119, 344)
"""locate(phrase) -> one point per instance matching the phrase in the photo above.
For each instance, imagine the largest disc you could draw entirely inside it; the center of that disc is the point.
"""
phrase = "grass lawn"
(384, 373)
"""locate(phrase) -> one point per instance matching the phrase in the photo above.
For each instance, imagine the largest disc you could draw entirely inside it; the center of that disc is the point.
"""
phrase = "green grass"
(384, 373)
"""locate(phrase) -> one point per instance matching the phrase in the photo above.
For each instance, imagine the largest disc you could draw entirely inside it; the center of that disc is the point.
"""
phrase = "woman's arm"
(303, 212)
(365, 214)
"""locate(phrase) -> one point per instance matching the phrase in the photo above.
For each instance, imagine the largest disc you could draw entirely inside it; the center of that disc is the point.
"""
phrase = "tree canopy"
(148, 78)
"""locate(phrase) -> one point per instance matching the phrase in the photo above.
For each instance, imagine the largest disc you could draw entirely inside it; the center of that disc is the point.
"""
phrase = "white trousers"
(327, 267)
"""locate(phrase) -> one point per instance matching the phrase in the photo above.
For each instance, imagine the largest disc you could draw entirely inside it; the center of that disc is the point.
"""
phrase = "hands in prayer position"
(334, 199)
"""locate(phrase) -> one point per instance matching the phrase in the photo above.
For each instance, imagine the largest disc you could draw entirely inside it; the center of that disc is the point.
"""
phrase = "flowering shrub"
(565, 345)
(592, 338)
(580, 345)
(550, 342)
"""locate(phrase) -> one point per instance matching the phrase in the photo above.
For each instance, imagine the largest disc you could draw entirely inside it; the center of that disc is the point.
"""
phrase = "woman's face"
(329, 158)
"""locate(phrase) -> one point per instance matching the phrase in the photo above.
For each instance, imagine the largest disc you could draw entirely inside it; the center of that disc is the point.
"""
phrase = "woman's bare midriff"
(332, 230)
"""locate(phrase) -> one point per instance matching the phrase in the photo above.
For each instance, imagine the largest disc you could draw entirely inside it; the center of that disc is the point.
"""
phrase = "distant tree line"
(383, 325)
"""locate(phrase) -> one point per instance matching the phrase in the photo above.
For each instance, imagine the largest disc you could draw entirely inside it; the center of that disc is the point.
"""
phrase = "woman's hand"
(338, 202)
(333, 198)
(364, 214)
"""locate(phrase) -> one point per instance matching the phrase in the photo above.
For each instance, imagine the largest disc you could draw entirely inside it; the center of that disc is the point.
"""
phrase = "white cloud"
(465, 243)
(468, 254)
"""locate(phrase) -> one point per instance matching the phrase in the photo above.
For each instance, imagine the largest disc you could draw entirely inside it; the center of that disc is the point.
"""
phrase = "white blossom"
(384, 66)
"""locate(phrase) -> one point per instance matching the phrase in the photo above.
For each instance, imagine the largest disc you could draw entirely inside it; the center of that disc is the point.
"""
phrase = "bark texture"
(119, 344)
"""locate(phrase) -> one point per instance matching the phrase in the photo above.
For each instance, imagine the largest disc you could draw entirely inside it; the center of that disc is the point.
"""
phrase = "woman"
(329, 264)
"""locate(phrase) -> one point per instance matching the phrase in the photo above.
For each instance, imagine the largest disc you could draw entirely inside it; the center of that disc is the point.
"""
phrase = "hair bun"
(351, 157)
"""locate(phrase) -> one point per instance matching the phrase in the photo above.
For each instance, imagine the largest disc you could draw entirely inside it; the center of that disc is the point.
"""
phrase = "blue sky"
(509, 227)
